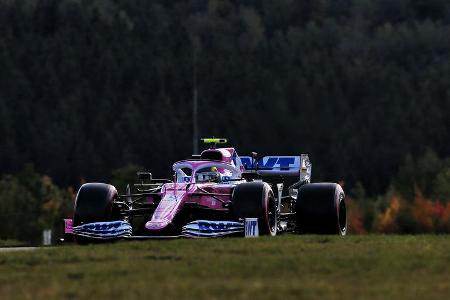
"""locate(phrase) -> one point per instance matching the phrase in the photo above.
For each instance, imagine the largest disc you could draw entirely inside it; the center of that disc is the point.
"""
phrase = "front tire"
(94, 203)
(320, 209)
(256, 200)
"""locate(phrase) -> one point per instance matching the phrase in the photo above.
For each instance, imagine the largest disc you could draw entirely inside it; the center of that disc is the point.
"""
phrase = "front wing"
(122, 230)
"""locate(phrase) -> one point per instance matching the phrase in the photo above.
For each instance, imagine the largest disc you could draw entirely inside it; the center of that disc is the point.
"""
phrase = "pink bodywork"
(175, 195)
(68, 226)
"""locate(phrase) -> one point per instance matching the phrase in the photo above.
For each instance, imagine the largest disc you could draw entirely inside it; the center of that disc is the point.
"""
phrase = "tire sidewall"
(102, 205)
(318, 209)
(253, 200)
(340, 200)
(267, 194)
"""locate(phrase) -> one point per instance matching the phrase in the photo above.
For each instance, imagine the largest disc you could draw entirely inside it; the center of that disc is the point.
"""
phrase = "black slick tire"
(320, 209)
(256, 200)
(94, 203)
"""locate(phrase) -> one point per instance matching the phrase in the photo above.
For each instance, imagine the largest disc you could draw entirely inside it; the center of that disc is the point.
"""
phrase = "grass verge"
(285, 267)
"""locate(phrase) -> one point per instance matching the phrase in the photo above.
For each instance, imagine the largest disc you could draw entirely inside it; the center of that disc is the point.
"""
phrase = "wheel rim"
(342, 215)
(272, 214)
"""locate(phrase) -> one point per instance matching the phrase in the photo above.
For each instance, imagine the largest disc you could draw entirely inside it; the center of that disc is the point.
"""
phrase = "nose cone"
(156, 225)
(167, 208)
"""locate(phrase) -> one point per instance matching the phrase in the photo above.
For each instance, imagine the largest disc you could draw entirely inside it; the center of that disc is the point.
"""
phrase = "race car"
(211, 195)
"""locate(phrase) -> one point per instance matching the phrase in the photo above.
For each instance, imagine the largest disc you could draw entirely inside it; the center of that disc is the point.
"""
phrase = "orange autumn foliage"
(386, 221)
(431, 216)
(354, 219)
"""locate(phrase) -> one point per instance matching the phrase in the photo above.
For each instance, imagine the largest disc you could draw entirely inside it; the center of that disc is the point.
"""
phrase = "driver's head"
(214, 169)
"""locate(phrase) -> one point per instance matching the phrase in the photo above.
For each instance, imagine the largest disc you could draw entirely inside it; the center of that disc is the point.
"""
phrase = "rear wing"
(279, 165)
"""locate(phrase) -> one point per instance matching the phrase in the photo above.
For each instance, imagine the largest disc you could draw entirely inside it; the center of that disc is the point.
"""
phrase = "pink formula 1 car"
(211, 194)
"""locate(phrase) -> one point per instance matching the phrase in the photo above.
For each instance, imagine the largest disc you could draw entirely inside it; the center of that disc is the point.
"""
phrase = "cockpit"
(207, 171)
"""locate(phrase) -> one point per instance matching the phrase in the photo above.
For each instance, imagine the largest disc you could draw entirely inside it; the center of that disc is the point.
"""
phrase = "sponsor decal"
(282, 163)
(171, 197)
(251, 227)
(104, 230)
(206, 228)
(226, 178)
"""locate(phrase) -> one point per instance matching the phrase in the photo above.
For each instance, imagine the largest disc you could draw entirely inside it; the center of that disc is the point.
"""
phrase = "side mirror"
(255, 160)
(144, 176)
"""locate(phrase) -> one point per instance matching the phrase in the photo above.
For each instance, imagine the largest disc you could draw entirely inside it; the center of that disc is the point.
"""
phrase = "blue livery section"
(104, 230)
(273, 165)
(206, 228)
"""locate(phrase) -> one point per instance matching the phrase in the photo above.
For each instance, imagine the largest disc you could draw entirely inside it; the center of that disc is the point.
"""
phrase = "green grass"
(285, 267)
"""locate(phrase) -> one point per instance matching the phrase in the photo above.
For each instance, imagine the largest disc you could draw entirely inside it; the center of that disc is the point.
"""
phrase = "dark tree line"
(90, 86)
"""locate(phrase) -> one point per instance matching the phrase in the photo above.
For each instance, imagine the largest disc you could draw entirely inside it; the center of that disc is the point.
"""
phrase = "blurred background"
(96, 90)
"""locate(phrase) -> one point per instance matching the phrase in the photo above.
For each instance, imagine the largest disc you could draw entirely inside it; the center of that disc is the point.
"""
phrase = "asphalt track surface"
(15, 249)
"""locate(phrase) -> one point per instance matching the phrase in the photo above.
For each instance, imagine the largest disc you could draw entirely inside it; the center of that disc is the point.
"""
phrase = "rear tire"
(256, 200)
(320, 209)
